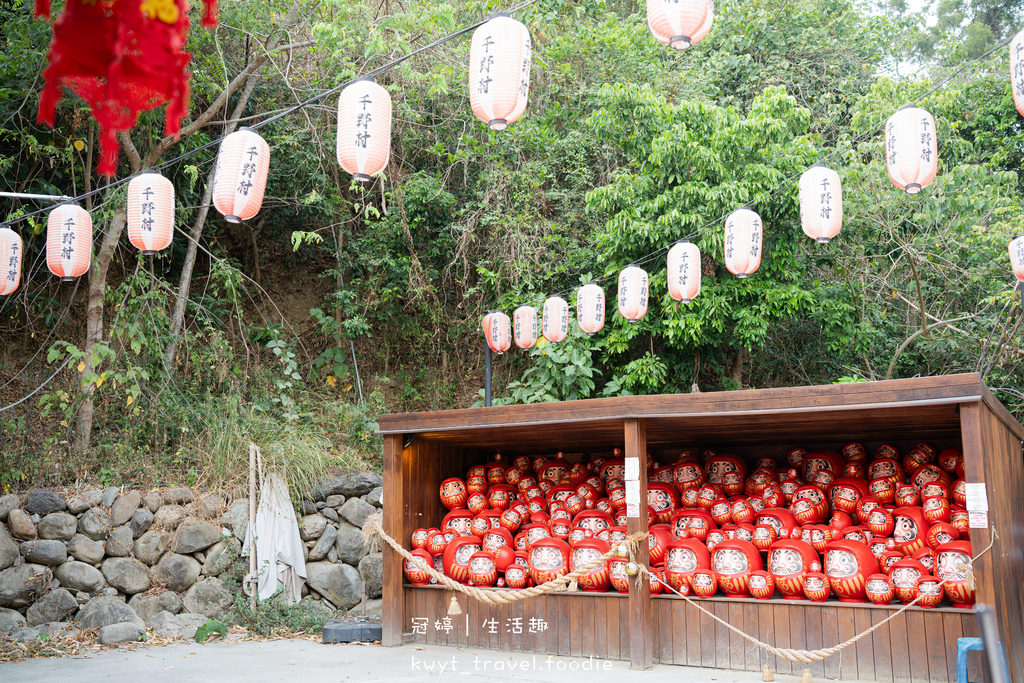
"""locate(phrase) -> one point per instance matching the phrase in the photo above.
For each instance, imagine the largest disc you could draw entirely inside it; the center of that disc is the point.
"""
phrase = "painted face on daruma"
(681, 560)
(881, 468)
(547, 558)
(840, 564)
(536, 533)
(814, 583)
(686, 473)
(481, 565)
(812, 494)
(904, 577)
(659, 500)
(785, 562)
(493, 541)
(701, 579)
(717, 469)
(582, 556)
(906, 529)
(952, 565)
(877, 586)
(515, 572)
(452, 488)
(465, 552)
(461, 525)
(730, 562)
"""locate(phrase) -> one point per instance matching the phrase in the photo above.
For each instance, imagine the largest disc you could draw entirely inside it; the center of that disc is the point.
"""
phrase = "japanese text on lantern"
(890, 142)
(684, 270)
(826, 198)
(363, 120)
(12, 264)
(755, 236)
(524, 72)
(729, 238)
(67, 248)
(146, 208)
(485, 66)
(1018, 69)
(248, 170)
(926, 140)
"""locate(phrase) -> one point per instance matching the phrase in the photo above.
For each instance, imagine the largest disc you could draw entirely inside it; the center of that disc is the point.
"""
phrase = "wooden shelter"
(955, 411)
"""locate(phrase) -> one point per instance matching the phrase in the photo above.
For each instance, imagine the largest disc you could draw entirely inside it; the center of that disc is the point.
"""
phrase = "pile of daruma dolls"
(822, 524)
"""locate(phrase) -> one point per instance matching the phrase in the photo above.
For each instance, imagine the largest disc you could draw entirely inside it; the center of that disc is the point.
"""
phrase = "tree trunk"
(94, 324)
(736, 371)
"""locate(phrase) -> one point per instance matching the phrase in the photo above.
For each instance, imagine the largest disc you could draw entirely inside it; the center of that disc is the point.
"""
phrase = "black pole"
(487, 376)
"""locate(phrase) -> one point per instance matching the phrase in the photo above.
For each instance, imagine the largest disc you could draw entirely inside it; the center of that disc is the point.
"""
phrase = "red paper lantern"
(499, 71)
(821, 203)
(684, 272)
(633, 293)
(555, 319)
(498, 332)
(911, 149)
(68, 241)
(525, 326)
(590, 308)
(150, 212)
(364, 129)
(743, 236)
(11, 250)
(243, 162)
(680, 24)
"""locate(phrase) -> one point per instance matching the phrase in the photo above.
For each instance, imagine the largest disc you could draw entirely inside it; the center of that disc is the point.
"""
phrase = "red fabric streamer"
(209, 16)
(121, 57)
(43, 9)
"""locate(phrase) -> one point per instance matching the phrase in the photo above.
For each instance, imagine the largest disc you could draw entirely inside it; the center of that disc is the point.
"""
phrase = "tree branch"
(905, 344)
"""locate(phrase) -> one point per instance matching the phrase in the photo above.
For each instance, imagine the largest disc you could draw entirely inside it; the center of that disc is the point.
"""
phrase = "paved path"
(303, 661)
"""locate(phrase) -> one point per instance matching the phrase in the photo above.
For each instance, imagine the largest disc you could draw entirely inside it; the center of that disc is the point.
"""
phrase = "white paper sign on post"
(977, 497)
(633, 499)
(632, 471)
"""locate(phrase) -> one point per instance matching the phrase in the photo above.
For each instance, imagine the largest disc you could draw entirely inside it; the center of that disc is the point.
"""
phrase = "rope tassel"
(766, 673)
(453, 607)
(807, 677)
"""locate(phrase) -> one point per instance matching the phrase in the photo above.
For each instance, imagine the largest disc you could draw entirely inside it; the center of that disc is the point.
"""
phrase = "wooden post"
(974, 471)
(641, 636)
(393, 607)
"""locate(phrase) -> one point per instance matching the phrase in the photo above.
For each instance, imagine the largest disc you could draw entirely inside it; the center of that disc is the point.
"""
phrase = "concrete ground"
(303, 661)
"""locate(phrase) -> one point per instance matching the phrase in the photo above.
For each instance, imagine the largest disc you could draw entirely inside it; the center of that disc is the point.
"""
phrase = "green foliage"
(211, 627)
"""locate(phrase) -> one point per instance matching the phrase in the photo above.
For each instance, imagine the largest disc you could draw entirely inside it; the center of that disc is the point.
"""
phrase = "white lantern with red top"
(499, 71)
(680, 23)
(364, 129)
(821, 203)
(524, 324)
(590, 308)
(498, 331)
(684, 271)
(743, 237)
(555, 319)
(11, 250)
(911, 149)
(68, 241)
(241, 176)
(150, 212)
(633, 293)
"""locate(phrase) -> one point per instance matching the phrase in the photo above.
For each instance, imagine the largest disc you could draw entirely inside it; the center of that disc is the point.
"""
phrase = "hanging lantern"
(68, 241)
(680, 24)
(821, 203)
(684, 271)
(10, 261)
(150, 212)
(633, 292)
(555, 320)
(364, 129)
(911, 149)
(525, 324)
(1017, 256)
(1017, 70)
(499, 72)
(590, 308)
(743, 233)
(122, 59)
(241, 177)
(498, 332)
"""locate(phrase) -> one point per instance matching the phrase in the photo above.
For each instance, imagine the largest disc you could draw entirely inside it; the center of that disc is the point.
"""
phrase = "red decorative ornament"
(549, 559)
(879, 589)
(704, 583)
(762, 585)
(817, 587)
(453, 493)
(482, 569)
(584, 552)
(419, 539)
(619, 577)
(516, 576)
(415, 570)
(929, 590)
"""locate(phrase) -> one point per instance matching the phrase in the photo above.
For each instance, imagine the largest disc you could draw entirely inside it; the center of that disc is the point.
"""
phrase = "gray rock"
(151, 545)
(57, 605)
(169, 517)
(119, 543)
(220, 556)
(81, 502)
(147, 605)
(311, 527)
(105, 610)
(79, 576)
(189, 624)
(210, 597)
(120, 633)
(141, 521)
(210, 505)
(45, 552)
(350, 484)
(153, 501)
(83, 548)
(126, 575)
(8, 549)
(165, 625)
(43, 502)
(237, 518)
(330, 514)
(7, 503)
(124, 507)
(374, 608)
(320, 505)
(110, 590)
(177, 496)
(339, 583)
(195, 534)
(356, 511)
(311, 604)
(334, 500)
(95, 524)
(109, 496)
(177, 572)
(371, 571)
(21, 525)
(9, 620)
(55, 629)
(82, 597)
(332, 555)
(374, 496)
(350, 544)
(306, 507)
(58, 526)
(23, 633)
(21, 585)
(324, 544)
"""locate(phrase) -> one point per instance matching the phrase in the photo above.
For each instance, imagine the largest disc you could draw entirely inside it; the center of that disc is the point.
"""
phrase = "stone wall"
(123, 561)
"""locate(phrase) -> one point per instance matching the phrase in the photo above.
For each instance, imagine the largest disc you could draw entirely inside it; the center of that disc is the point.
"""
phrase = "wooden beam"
(395, 513)
(974, 471)
(641, 625)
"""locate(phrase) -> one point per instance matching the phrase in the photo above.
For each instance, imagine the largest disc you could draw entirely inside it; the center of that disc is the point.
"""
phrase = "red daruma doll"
(415, 570)
(583, 553)
(789, 561)
(848, 564)
(733, 561)
(456, 557)
(951, 565)
(453, 493)
(910, 530)
(482, 570)
(682, 558)
(516, 576)
(549, 559)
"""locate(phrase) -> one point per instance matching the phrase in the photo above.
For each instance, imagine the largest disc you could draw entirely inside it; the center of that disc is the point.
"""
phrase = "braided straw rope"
(374, 533)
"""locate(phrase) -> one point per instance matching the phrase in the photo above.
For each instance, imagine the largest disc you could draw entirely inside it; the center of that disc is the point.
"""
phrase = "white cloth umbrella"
(278, 545)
